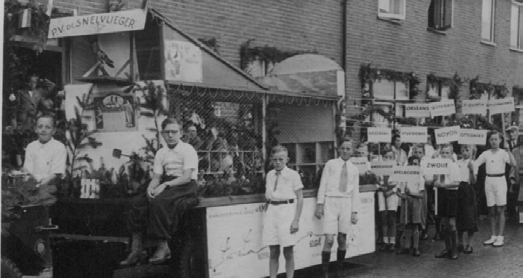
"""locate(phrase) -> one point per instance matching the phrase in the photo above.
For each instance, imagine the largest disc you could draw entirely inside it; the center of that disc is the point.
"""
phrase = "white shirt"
(464, 171)
(495, 161)
(289, 181)
(453, 176)
(173, 162)
(330, 182)
(43, 160)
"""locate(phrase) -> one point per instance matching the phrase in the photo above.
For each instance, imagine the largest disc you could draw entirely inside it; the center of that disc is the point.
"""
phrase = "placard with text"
(416, 134)
(417, 110)
(379, 135)
(447, 134)
(502, 105)
(435, 166)
(474, 106)
(442, 108)
(472, 136)
(406, 173)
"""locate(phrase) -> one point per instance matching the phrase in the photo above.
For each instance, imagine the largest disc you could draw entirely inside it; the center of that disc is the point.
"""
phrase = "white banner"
(378, 135)
(362, 163)
(234, 238)
(416, 134)
(502, 105)
(442, 108)
(405, 173)
(417, 110)
(436, 166)
(183, 61)
(474, 106)
(472, 137)
(382, 168)
(131, 20)
(447, 134)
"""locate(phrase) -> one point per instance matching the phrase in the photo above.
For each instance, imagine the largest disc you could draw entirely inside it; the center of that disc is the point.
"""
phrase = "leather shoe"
(453, 255)
(391, 248)
(384, 247)
(416, 252)
(161, 255)
(134, 258)
(442, 254)
(436, 236)
(468, 250)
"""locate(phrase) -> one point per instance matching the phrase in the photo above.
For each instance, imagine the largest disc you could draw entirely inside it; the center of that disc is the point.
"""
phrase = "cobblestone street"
(486, 261)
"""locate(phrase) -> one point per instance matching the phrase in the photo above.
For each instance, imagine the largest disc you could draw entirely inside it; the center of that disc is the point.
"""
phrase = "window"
(438, 91)
(516, 25)
(440, 14)
(391, 9)
(487, 20)
(390, 90)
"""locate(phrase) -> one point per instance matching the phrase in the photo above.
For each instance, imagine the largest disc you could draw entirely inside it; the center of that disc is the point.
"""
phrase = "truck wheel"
(190, 261)
(9, 269)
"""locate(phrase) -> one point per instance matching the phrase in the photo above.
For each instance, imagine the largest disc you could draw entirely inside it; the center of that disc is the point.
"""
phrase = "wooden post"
(265, 102)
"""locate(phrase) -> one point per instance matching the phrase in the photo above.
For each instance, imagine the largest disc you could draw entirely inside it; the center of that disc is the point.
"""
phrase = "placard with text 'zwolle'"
(435, 166)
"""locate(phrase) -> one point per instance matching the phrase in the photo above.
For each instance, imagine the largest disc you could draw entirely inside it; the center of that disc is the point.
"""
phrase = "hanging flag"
(49, 8)
(24, 18)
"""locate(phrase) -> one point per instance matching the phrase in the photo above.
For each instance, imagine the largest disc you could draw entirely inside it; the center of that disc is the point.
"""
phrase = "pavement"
(485, 261)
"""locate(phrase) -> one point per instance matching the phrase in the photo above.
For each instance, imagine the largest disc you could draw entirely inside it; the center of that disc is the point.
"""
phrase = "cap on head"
(512, 128)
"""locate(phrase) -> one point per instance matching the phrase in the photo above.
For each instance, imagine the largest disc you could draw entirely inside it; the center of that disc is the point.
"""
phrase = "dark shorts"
(447, 203)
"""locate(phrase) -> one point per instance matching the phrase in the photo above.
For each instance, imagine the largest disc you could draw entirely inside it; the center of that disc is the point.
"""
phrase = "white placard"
(130, 20)
(183, 61)
(382, 168)
(502, 105)
(442, 108)
(436, 166)
(362, 163)
(234, 238)
(406, 173)
(416, 134)
(447, 134)
(472, 137)
(417, 110)
(474, 106)
(378, 135)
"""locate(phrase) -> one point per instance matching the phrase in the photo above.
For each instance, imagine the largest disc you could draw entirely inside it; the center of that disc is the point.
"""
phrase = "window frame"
(519, 26)
(492, 32)
(439, 20)
(393, 16)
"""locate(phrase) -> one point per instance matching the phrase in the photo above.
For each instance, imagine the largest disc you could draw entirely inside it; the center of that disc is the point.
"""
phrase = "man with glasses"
(156, 211)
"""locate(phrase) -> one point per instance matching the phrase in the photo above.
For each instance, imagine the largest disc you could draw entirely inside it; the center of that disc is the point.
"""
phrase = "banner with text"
(447, 134)
(442, 108)
(472, 136)
(417, 134)
(435, 166)
(382, 168)
(232, 246)
(124, 21)
(502, 105)
(417, 110)
(379, 135)
(406, 173)
(362, 163)
(474, 106)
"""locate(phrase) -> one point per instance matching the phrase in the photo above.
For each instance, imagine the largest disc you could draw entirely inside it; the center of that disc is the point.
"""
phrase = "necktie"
(442, 179)
(276, 182)
(344, 178)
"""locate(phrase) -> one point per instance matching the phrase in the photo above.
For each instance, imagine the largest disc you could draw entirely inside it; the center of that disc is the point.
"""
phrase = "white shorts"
(496, 191)
(337, 215)
(277, 225)
(392, 202)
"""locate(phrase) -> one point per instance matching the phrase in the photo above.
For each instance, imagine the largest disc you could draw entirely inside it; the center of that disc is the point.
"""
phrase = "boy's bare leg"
(492, 217)
(501, 219)
(273, 262)
(288, 253)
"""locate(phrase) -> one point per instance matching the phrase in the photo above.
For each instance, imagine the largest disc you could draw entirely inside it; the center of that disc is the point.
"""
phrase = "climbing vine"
(454, 83)
(369, 75)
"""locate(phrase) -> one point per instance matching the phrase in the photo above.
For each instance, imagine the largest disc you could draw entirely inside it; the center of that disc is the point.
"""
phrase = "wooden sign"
(406, 173)
(447, 134)
(436, 166)
(417, 110)
(413, 134)
(474, 106)
(472, 137)
(378, 135)
(503, 105)
(90, 189)
(362, 163)
(92, 24)
(382, 168)
(442, 108)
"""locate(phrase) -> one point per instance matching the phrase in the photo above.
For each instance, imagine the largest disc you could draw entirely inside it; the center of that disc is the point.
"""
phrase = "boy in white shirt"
(496, 186)
(281, 222)
(338, 200)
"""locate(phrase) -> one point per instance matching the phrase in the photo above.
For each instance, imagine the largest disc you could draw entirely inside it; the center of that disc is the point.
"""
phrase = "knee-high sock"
(415, 238)
(340, 256)
(445, 235)
(453, 240)
(325, 259)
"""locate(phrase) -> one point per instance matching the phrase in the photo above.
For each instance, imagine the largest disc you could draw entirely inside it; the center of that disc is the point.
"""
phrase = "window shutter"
(520, 26)
(447, 16)
(432, 23)
(514, 25)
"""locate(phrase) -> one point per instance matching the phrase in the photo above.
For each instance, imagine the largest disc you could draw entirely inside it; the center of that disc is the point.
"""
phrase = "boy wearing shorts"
(338, 200)
(496, 186)
(284, 204)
